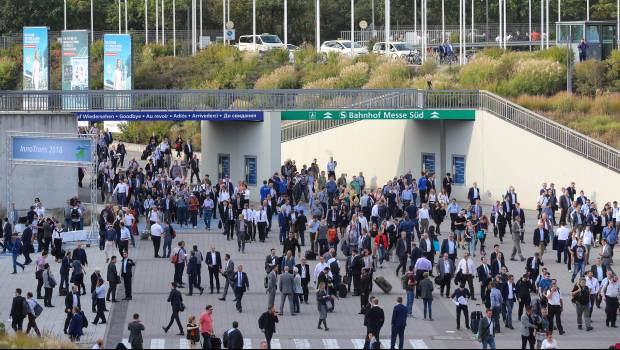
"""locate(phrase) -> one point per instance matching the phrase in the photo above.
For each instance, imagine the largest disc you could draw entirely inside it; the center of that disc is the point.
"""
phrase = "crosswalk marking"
(126, 343)
(247, 343)
(184, 344)
(386, 343)
(275, 344)
(418, 344)
(158, 343)
(330, 344)
(358, 343)
(302, 343)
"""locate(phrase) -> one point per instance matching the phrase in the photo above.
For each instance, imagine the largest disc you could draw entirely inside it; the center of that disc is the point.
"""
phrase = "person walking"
(241, 285)
(445, 267)
(179, 260)
(156, 232)
(176, 301)
(113, 280)
(581, 299)
(399, 323)
(267, 324)
(135, 328)
(286, 290)
(409, 285)
(72, 300)
(127, 266)
(556, 304)
(611, 292)
(486, 333)
(426, 293)
(99, 295)
(76, 325)
(19, 311)
(322, 297)
(374, 318)
(34, 310)
(516, 239)
(65, 268)
(206, 326)
(214, 265)
(401, 252)
(496, 301)
(16, 251)
(49, 283)
(461, 297)
(233, 338)
(272, 286)
(528, 328)
(193, 266)
(228, 271)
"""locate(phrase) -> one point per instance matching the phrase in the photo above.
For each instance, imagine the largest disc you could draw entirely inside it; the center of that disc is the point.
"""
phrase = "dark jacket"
(193, 266)
(18, 311)
(69, 301)
(374, 319)
(80, 254)
(112, 275)
(130, 265)
(176, 300)
(245, 283)
(218, 260)
(445, 248)
(267, 322)
(399, 316)
(235, 338)
(485, 326)
(482, 276)
(76, 325)
(135, 329)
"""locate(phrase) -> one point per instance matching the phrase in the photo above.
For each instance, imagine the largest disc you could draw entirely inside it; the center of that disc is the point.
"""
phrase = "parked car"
(399, 49)
(343, 47)
(264, 42)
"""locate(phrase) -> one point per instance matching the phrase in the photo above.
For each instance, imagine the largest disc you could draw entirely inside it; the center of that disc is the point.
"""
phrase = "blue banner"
(117, 58)
(458, 167)
(52, 149)
(36, 59)
(255, 116)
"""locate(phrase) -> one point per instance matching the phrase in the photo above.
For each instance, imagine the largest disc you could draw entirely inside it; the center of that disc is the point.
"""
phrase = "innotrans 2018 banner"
(117, 57)
(36, 59)
(46, 149)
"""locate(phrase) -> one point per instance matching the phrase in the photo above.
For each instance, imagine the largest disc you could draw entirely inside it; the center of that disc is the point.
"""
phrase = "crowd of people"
(352, 231)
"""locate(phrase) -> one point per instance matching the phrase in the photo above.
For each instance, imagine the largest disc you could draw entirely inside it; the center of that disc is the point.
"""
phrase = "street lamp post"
(588, 10)
(542, 24)
(163, 24)
(353, 25)
(200, 25)
(473, 37)
(92, 22)
(224, 21)
(318, 25)
(120, 29)
(286, 23)
(126, 21)
(65, 13)
(146, 21)
(443, 21)
(254, 25)
(174, 28)
(157, 21)
(387, 23)
(529, 9)
(501, 36)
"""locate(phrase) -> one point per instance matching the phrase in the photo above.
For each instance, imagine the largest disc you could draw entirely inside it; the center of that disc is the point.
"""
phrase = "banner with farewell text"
(354, 114)
(97, 116)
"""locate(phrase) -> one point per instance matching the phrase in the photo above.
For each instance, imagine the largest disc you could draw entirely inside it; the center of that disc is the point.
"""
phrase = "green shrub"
(556, 54)
(534, 77)
(589, 77)
(373, 60)
(492, 52)
(281, 78)
(322, 84)
(152, 51)
(428, 67)
(9, 73)
(353, 76)
(391, 74)
(479, 73)
(276, 57)
(607, 104)
(613, 70)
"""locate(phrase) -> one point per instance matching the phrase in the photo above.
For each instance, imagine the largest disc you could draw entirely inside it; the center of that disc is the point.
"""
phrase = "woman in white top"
(36, 70)
(549, 343)
(119, 81)
(588, 238)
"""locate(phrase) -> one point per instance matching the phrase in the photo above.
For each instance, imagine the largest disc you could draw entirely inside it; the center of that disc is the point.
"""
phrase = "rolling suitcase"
(310, 255)
(474, 319)
(382, 283)
(342, 291)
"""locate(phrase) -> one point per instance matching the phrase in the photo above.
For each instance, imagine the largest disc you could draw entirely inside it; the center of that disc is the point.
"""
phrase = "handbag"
(219, 225)
(182, 307)
(37, 310)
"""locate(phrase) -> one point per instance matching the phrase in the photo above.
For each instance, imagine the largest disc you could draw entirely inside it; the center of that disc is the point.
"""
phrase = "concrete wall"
(498, 154)
(53, 185)
(241, 139)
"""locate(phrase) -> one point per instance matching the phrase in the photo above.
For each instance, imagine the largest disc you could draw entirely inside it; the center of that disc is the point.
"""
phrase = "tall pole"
(547, 30)
(504, 17)
(163, 23)
(120, 29)
(486, 32)
(157, 21)
(542, 24)
(501, 34)
(559, 11)
(174, 28)
(126, 21)
(529, 8)
(65, 13)
(286, 22)
(353, 25)
(227, 10)
(92, 22)
(460, 30)
(146, 22)
(200, 37)
(415, 20)
(224, 22)
(254, 25)
(618, 22)
(387, 23)
(587, 10)
(372, 5)
(443, 21)
(318, 25)
(193, 27)
(473, 37)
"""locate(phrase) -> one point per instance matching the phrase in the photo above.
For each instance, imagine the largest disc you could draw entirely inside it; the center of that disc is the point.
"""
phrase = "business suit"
(113, 279)
(135, 329)
(193, 265)
(286, 291)
(486, 333)
(127, 266)
(532, 267)
(241, 285)
(446, 249)
(176, 301)
(214, 266)
(399, 323)
(373, 320)
(69, 307)
(235, 338)
(565, 204)
(272, 287)
(473, 194)
(228, 273)
(357, 263)
(445, 275)
(484, 276)
(401, 253)
(305, 280)
(424, 246)
(188, 150)
(541, 243)
(594, 269)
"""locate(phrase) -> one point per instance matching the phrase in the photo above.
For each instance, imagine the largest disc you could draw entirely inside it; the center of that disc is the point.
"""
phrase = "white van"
(264, 42)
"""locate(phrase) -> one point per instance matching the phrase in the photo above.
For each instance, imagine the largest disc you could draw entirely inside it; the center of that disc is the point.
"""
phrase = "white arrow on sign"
(327, 115)
(435, 115)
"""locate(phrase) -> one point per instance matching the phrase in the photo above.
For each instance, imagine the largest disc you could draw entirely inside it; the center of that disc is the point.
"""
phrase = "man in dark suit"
(176, 301)
(473, 194)
(188, 150)
(374, 319)
(497, 260)
(541, 239)
(416, 253)
(72, 300)
(450, 247)
(599, 271)
(565, 204)
(228, 272)
(233, 339)
(399, 323)
(484, 276)
(113, 279)
(8, 236)
(304, 272)
(357, 263)
(135, 328)
(19, 311)
(445, 267)
(214, 264)
(193, 266)
(242, 285)
(401, 253)
(80, 254)
(107, 137)
(519, 216)
(27, 246)
(195, 169)
(487, 330)
(127, 266)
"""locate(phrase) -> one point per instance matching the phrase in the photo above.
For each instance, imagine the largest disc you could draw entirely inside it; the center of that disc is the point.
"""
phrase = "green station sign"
(384, 114)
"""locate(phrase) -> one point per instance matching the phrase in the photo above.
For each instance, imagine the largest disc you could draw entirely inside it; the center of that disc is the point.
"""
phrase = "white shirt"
(510, 294)
(592, 284)
(317, 270)
(554, 298)
(363, 221)
(153, 215)
(613, 289)
(261, 215)
(128, 219)
(124, 234)
(121, 188)
(587, 237)
(467, 265)
(423, 214)
(547, 345)
(213, 258)
(563, 233)
(223, 196)
(616, 213)
(156, 230)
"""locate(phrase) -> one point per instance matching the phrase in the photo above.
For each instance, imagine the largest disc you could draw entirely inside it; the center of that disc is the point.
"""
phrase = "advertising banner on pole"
(47, 149)
(117, 73)
(36, 59)
(75, 67)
